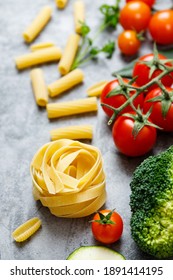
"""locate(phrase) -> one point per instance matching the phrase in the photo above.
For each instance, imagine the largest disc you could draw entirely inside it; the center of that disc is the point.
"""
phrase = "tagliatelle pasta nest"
(68, 178)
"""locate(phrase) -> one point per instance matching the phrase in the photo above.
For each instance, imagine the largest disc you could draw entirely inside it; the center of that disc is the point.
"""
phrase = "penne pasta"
(96, 89)
(40, 46)
(27, 229)
(38, 57)
(61, 3)
(72, 132)
(74, 107)
(73, 179)
(33, 30)
(69, 54)
(79, 15)
(39, 87)
(65, 83)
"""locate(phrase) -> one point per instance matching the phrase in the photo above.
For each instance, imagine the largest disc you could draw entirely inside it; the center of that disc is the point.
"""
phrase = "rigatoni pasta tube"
(60, 109)
(61, 3)
(38, 24)
(68, 178)
(96, 89)
(72, 132)
(39, 87)
(79, 15)
(40, 46)
(38, 57)
(64, 83)
(69, 54)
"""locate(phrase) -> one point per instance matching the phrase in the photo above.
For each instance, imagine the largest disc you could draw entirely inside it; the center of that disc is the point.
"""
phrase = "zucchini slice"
(95, 253)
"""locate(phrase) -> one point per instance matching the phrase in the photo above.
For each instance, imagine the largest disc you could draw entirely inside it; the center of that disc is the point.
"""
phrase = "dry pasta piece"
(38, 57)
(69, 54)
(39, 87)
(73, 177)
(61, 109)
(38, 24)
(72, 132)
(61, 3)
(79, 15)
(27, 229)
(64, 83)
(40, 46)
(96, 89)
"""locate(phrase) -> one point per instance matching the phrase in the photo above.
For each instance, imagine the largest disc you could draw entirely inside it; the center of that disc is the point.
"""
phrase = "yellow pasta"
(68, 178)
(69, 54)
(79, 15)
(61, 3)
(64, 83)
(38, 57)
(38, 24)
(72, 132)
(39, 87)
(40, 46)
(96, 89)
(27, 229)
(74, 107)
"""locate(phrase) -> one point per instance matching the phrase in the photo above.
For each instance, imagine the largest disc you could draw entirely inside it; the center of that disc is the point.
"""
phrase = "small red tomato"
(107, 226)
(125, 141)
(128, 42)
(142, 71)
(135, 15)
(161, 27)
(159, 116)
(117, 100)
(150, 3)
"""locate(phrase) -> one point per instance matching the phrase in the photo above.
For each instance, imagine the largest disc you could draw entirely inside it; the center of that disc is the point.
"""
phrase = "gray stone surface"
(25, 128)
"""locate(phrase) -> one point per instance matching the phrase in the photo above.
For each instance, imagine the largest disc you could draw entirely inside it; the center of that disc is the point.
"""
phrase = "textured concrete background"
(25, 128)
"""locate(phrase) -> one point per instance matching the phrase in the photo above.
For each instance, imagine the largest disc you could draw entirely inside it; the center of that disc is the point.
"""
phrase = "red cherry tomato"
(150, 3)
(142, 72)
(117, 100)
(157, 117)
(128, 42)
(125, 141)
(161, 27)
(106, 232)
(135, 15)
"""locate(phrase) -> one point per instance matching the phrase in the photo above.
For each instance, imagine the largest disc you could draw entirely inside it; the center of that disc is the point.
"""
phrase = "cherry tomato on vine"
(128, 42)
(150, 3)
(162, 108)
(127, 143)
(161, 27)
(107, 226)
(142, 71)
(117, 100)
(135, 15)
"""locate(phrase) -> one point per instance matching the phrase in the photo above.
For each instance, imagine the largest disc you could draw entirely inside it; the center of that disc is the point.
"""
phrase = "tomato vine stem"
(167, 70)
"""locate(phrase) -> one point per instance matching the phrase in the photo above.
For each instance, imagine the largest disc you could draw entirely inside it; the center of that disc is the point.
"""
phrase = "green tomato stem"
(138, 91)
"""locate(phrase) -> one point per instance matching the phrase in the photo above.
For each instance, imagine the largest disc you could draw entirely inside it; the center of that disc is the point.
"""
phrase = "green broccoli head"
(151, 203)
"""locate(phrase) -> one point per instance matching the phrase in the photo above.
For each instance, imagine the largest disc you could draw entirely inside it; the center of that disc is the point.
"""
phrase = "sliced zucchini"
(95, 253)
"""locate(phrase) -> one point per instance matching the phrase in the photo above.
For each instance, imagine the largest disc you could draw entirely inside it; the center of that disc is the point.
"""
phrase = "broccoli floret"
(151, 203)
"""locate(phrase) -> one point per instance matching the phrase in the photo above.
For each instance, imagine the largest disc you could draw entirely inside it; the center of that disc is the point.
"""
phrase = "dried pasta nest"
(68, 178)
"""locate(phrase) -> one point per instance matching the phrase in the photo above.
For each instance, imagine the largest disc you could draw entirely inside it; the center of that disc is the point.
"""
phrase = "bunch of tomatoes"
(136, 17)
(155, 103)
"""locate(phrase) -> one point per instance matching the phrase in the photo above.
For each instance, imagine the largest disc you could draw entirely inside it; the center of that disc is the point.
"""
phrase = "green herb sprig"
(111, 15)
(87, 50)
